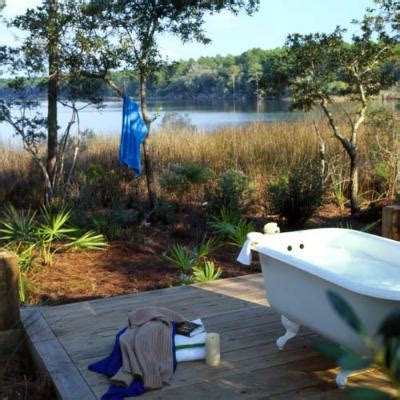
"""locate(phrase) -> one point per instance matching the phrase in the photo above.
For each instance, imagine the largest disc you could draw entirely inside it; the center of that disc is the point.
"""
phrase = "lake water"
(205, 117)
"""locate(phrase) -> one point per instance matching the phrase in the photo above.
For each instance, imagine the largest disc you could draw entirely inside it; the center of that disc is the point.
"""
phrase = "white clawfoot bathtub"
(300, 267)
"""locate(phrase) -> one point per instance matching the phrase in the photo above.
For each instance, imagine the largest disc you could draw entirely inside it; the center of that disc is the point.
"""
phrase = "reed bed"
(264, 151)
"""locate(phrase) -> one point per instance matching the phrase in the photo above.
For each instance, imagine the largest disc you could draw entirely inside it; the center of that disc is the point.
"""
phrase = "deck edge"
(51, 358)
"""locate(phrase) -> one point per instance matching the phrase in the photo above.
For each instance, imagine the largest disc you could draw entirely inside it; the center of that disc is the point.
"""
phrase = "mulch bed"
(137, 263)
(121, 269)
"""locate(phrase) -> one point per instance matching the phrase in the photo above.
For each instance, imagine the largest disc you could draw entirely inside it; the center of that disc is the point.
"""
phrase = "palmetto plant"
(52, 229)
(17, 226)
(207, 246)
(27, 260)
(55, 234)
(366, 228)
(206, 272)
(21, 231)
(185, 258)
(181, 257)
(232, 229)
(239, 235)
(193, 263)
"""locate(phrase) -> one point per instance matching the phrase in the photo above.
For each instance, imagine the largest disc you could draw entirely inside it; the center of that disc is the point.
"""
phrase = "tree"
(315, 62)
(136, 25)
(50, 60)
(234, 72)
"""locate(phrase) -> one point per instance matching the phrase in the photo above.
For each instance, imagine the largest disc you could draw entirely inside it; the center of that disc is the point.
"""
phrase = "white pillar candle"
(213, 354)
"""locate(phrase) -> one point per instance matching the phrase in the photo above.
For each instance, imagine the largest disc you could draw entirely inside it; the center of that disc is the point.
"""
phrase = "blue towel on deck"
(134, 131)
(110, 365)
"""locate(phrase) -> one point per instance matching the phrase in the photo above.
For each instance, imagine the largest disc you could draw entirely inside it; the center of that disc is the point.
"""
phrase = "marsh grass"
(263, 151)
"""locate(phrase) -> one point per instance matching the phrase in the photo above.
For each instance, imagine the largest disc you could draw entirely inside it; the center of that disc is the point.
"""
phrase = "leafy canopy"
(314, 62)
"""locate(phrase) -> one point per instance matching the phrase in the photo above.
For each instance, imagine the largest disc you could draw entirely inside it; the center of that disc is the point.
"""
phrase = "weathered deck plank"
(53, 359)
(251, 367)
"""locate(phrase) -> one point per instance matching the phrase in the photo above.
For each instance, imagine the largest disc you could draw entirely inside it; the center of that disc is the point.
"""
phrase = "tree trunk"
(391, 222)
(52, 98)
(355, 208)
(146, 151)
(321, 153)
(9, 304)
(351, 150)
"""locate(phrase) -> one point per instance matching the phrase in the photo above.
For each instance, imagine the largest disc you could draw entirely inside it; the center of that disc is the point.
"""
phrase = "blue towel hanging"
(134, 131)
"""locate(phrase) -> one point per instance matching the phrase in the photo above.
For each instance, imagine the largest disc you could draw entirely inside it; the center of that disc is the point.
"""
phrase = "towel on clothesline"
(134, 132)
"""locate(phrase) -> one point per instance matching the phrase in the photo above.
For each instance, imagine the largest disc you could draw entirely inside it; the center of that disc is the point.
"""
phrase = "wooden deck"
(69, 337)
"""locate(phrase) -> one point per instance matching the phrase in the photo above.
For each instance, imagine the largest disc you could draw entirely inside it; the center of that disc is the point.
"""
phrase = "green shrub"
(174, 183)
(234, 192)
(278, 194)
(382, 175)
(101, 186)
(111, 223)
(297, 197)
(179, 179)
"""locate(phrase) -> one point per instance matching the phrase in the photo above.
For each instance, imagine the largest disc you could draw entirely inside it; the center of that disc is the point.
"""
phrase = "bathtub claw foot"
(291, 331)
(341, 378)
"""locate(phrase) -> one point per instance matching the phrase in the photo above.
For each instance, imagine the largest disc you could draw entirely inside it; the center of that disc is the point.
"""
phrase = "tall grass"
(264, 151)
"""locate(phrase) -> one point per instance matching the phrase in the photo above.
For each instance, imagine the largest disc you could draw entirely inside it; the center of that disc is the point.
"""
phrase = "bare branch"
(112, 84)
(345, 142)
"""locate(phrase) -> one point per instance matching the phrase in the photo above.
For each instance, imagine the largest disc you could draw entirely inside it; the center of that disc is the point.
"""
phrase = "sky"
(266, 29)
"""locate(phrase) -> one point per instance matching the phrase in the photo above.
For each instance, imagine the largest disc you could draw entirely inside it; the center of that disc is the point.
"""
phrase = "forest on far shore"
(256, 73)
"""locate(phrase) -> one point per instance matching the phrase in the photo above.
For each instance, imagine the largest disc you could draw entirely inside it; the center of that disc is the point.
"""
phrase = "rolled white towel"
(191, 354)
(185, 341)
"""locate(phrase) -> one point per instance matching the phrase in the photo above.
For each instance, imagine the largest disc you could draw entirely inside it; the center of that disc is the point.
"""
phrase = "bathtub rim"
(311, 268)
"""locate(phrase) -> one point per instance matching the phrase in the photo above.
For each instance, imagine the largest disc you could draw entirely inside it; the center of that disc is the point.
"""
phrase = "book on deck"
(188, 328)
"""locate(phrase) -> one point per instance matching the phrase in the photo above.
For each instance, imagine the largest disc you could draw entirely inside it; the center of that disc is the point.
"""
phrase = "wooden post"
(391, 222)
(9, 298)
